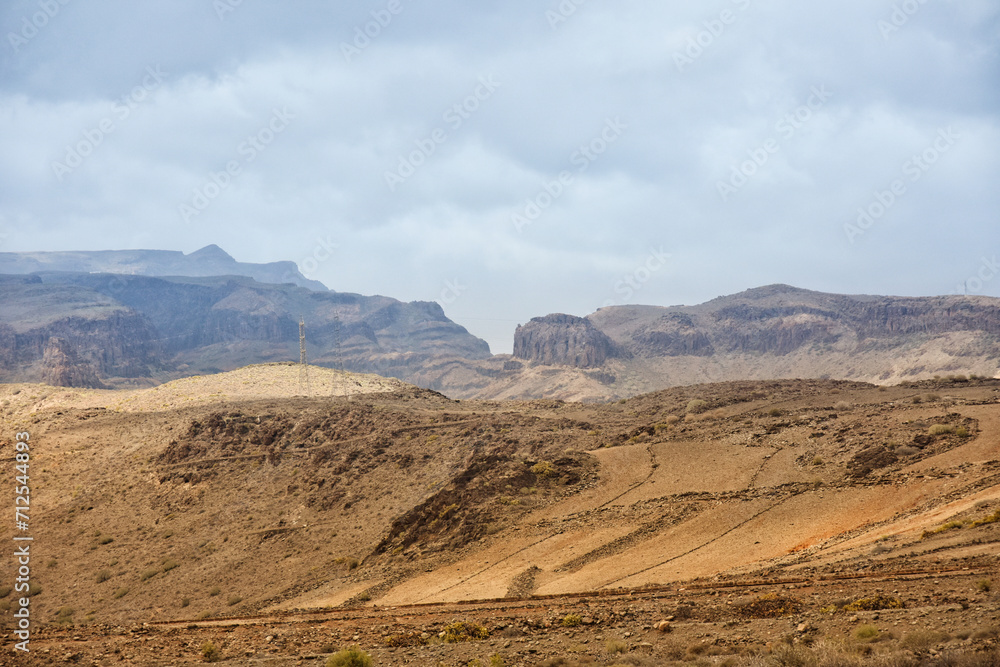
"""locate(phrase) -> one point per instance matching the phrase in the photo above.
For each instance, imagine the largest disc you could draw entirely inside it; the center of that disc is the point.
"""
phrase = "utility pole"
(303, 366)
(338, 363)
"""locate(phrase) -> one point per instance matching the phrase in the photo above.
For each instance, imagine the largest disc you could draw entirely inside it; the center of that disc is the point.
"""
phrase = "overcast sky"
(515, 159)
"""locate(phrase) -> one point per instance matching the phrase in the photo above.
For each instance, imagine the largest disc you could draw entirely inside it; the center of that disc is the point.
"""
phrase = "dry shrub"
(875, 603)
(462, 631)
(769, 606)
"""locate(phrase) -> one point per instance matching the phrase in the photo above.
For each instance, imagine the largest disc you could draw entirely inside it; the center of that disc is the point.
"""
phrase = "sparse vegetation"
(210, 652)
(867, 633)
(350, 657)
(769, 606)
(614, 647)
(941, 429)
(463, 631)
(571, 620)
(697, 406)
(874, 603)
(544, 469)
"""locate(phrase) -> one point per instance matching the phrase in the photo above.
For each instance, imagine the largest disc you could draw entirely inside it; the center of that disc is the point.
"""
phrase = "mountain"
(209, 261)
(87, 328)
(765, 333)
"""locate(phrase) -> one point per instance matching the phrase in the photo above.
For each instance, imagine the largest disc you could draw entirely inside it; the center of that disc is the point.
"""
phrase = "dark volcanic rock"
(64, 368)
(564, 340)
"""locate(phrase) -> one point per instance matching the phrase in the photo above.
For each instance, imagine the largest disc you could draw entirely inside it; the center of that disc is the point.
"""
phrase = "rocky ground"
(715, 524)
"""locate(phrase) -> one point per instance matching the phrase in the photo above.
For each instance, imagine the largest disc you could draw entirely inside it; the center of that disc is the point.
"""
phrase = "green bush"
(544, 469)
(571, 620)
(350, 657)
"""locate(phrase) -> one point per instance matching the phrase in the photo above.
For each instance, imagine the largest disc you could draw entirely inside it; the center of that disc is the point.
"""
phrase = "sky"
(510, 160)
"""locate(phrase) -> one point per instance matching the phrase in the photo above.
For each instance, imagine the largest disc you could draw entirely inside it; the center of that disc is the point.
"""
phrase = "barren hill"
(148, 507)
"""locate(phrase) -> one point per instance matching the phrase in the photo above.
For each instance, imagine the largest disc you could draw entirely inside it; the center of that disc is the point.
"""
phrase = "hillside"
(188, 503)
(121, 330)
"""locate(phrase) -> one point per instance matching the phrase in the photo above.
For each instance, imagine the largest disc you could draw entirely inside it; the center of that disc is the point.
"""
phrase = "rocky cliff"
(564, 340)
(160, 328)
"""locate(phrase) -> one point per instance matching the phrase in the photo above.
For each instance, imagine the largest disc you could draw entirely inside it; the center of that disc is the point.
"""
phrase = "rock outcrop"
(563, 340)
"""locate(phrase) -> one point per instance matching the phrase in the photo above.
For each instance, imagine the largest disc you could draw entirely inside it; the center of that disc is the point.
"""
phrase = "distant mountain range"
(125, 320)
(209, 261)
(97, 328)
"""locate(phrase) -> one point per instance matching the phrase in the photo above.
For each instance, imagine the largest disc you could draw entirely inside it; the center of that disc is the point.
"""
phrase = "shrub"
(875, 603)
(544, 469)
(697, 406)
(496, 660)
(571, 620)
(5, 591)
(65, 616)
(169, 564)
(103, 576)
(120, 593)
(614, 647)
(769, 606)
(984, 585)
(350, 657)
(214, 590)
(185, 602)
(34, 588)
(210, 652)
(234, 600)
(149, 573)
(962, 432)
(106, 540)
(923, 639)
(461, 631)
(941, 429)
(775, 412)
(842, 405)
(867, 633)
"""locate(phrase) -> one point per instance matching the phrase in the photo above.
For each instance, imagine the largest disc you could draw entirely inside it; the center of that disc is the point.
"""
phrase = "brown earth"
(227, 509)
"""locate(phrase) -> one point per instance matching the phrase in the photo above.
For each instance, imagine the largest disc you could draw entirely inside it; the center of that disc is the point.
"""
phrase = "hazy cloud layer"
(521, 159)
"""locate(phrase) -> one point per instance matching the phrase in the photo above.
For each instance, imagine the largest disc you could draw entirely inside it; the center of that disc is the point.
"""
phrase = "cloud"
(701, 89)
